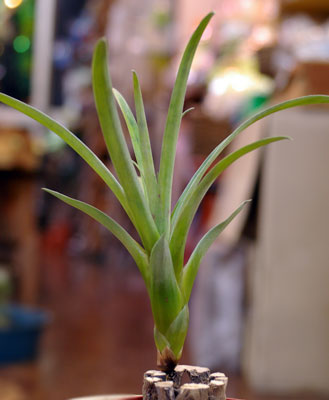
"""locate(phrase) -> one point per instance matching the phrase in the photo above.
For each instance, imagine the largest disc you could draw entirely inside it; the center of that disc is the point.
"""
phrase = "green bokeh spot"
(22, 44)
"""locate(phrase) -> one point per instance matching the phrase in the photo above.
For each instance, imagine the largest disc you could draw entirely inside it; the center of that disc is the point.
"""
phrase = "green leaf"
(176, 334)
(187, 111)
(76, 144)
(183, 223)
(131, 125)
(300, 101)
(136, 251)
(147, 162)
(165, 294)
(160, 340)
(118, 149)
(134, 135)
(172, 128)
(192, 266)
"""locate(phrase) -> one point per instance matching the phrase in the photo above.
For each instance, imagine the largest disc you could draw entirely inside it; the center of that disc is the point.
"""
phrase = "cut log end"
(193, 391)
(154, 373)
(165, 390)
(216, 375)
(195, 374)
(217, 390)
(149, 390)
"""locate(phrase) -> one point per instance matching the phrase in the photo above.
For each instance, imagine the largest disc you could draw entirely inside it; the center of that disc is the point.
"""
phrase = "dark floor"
(100, 339)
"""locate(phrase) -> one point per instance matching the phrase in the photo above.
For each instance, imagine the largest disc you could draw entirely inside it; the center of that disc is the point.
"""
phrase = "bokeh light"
(13, 3)
(21, 44)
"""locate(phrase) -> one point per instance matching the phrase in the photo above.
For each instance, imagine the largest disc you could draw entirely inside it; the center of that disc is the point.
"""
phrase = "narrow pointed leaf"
(192, 266)
(300, 101)
(137, 166)
(176, 334)
(131, 125)
(165, 294)
(134, 134)
(117, 146)
(71, 140)
(172, 128)
(183, 223)
(160, 340)
(187, 111)
(136, 251)
(150, 181)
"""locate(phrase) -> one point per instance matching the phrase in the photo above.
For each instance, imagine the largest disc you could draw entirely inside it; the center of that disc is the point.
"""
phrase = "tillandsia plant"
(146, 195)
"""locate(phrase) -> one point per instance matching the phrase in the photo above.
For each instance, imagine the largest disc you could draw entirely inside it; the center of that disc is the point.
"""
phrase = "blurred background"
(74, 315)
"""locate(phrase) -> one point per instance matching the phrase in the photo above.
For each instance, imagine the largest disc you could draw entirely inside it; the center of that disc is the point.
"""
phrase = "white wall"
(287, 344)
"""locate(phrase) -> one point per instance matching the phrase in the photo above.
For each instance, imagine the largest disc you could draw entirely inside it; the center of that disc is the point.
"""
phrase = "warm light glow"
(240, 82)
(231, 80)
(13, 3)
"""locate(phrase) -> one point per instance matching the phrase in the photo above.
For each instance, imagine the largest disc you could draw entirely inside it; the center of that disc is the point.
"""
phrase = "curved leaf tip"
(102, 42)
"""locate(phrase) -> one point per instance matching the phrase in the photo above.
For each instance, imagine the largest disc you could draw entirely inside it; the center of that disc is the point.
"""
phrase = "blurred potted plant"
(146, 198)
(20, 327)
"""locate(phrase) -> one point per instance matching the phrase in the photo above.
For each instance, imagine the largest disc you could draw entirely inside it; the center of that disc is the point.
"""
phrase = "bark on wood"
(225, 380)
(217, 390)
(176, 376)
(193, 391)
(165, 390)
(195, 374)
(149, 390)
(199, 374)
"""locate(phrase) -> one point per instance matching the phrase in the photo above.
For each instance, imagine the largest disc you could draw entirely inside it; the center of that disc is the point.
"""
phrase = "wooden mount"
(193, 391)
(217, 390)
(202, 386)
